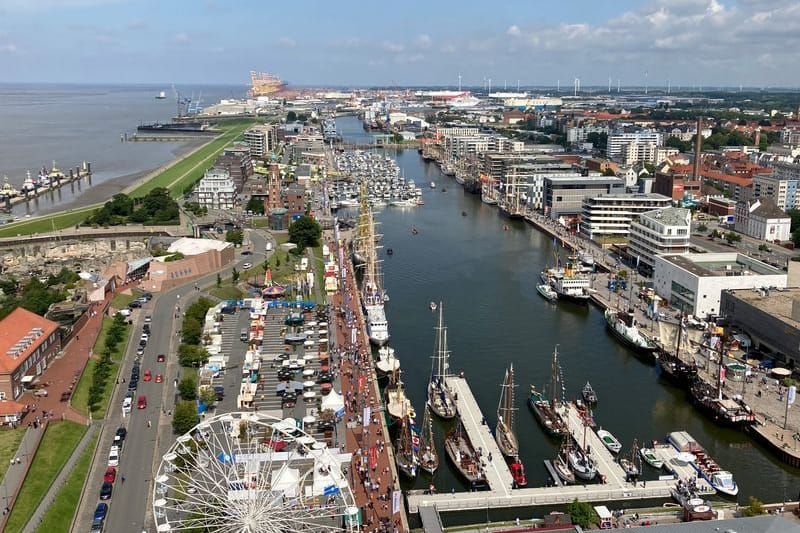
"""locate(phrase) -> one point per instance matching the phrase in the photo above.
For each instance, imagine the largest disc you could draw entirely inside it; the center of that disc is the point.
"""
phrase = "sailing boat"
(440, 397)
(504, 433)
(561, 462)
(429, 458)
(631, 463)
(546, 410)
(407, 447)
(397, 403)
(387, 363)
(580, 462)
(462, 453)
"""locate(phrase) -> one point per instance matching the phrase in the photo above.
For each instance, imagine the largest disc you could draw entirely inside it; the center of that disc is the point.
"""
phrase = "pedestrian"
(148, 424)
(122, 479)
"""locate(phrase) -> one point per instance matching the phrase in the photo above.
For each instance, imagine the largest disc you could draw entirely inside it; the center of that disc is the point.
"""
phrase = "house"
(28, 344)
(762, 219)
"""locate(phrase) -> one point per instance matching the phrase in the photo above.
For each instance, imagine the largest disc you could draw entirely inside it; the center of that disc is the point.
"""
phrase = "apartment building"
(262, 140)
(661, 231)
(611, 215)
(563, 194)
(615, 147)
(216, 190)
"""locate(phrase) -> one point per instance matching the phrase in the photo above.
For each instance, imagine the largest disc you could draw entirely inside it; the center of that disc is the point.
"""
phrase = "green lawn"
(60, 514)
(121, 301)
(81, 395)
(227, 292)
(319, 272)
(46, 224)
(9, 444)
(57, 445)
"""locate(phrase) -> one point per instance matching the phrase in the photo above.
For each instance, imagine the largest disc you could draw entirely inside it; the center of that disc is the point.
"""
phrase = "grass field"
(57, 445)
(176, 177)
(121, 301)
(227, 292)
(80, 397)
(9, 444)
(60, 514)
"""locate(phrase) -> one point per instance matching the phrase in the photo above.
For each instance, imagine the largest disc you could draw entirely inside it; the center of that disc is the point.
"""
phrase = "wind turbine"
(459, 82)
(645, 82)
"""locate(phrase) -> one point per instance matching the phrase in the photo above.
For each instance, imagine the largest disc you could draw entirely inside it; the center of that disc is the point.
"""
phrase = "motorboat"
(547, 292)
(433, 306)
(609, 440)
(623, 327)
(721, 480)
(589, 396)
(517, 472)
(650, 457)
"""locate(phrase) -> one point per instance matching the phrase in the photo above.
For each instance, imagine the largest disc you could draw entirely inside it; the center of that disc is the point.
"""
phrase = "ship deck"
(501, 495)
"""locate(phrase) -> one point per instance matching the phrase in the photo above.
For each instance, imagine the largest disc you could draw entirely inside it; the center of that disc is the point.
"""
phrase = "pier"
(501, 495)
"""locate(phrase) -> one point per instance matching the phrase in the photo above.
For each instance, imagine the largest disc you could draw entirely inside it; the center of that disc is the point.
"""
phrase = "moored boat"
(546, 409)
(583, 465)
(589, 396)
(464, 457)
(440, 397)
(721, 480)
(397, 403)
(561, 462)
(547, 292)
(517, 472)
(572, 286)
(504, 432)
(650, 457)
(428, 457)
(609, 440)
(433, 306)
(387, 363)
(623, 327)
(407, 448)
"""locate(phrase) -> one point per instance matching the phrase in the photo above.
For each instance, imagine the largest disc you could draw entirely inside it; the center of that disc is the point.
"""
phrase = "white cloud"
(8, 48)
(287, 42)
(513, 30)
(181, 38)
(390, 46)
(423, 41)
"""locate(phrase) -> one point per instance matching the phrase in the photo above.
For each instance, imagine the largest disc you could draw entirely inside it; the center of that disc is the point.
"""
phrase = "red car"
(110, 475)
(142, 403)
(159, 378)
(147, 375)
(161, 358)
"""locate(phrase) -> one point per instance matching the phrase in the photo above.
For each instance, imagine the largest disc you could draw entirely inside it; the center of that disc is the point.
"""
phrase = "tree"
(702, 228)
(208, 396)
(234, 276)
(763, 248)
(185, 417)
(732, 237)
(187, 388)
(219, 280)
(305, 232)
(599, 140)
(191, 355)
(192, 330)
(256, 205)
(236, 236)
(755, 508)
(291, 116)
(674, 142)
(582, 513)
(608, 171)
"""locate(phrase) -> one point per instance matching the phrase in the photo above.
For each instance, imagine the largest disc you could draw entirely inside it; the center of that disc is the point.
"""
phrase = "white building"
(612, 214)
(578, 134)
(618, 141)
(663, 231)
(761, 219)
(216, 190)
(694, 282)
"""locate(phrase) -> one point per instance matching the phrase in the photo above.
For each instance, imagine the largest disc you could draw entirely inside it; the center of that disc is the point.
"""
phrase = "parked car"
(126, 406)
(113, 456)
(140, 350)
(111, 475)
(146, 329)
(148, 319)
(142, 402)
(147, 296)
(247, 252)
(133, 385)
(124, 312)
(121, 433)
(145, 337)
(100, 511)
(161, 358)
(135, 304)
(219, 391)
(105, 491)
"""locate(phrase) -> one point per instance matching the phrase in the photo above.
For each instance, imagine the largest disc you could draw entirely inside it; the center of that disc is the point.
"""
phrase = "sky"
(356, 43)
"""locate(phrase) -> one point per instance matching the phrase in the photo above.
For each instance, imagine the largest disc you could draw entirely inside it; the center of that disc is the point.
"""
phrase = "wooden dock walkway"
(497, 474)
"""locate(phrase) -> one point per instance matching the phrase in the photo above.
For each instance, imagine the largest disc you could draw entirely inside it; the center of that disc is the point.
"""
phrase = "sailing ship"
(463, 455)
(672, 365)
(440, 397)
(407, 448)
(429, 457)
(561, 462)
(387, 363)
(589, 396)
(581, 462)
(623, 327)
(631, 463)
(504, 432)
(546, 410)
(397, 403)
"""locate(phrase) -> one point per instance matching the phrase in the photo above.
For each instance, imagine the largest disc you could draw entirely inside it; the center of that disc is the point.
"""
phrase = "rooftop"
(634, 196)
(775, 302)
(670, 216)
(20, 334)
(188, 246)
(755, 524)
(722, 264)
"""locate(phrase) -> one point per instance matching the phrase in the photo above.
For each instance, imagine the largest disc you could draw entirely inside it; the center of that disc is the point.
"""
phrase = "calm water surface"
(486, 277)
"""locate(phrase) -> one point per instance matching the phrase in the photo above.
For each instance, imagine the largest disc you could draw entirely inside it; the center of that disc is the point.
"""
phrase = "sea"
(486, 278)
(70, 124)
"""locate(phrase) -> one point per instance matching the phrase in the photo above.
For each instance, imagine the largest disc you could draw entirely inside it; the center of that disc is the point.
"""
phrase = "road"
(145, 445)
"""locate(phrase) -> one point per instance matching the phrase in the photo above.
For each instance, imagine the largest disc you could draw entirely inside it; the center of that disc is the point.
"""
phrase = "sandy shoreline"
(103, 192)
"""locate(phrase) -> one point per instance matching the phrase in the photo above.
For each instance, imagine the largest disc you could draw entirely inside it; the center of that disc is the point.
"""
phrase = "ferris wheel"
(252, 473)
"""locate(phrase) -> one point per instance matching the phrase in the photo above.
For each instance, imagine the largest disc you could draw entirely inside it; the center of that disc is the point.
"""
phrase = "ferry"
(707, 468)
(623, 327)
(572, 286)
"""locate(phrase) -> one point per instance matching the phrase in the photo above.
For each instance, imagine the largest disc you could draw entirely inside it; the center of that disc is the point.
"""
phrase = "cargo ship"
(265, 84)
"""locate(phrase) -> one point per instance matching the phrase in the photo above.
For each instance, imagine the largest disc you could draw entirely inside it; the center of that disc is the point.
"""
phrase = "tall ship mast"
(372, 294)
(429, 457)
(504, 433)
(546, 409)
(264, 84)
(440, 397)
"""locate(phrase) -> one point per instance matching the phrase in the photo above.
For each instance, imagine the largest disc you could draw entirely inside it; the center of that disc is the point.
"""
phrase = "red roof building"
(28, 344)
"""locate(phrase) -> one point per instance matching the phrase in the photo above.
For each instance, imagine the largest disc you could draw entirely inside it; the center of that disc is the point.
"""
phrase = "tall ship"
(440, 397)
(372, 293)
(387, 363)
(397, 403)
(407, 448)
(546, 408)
(264, 84)
(504, 432)
(572, 285)
(623, 326)
(463, 455)
(428, 456)
(561, 462)
(672, 365)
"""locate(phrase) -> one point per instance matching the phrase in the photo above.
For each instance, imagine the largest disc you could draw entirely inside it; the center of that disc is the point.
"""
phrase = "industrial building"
(694, 282)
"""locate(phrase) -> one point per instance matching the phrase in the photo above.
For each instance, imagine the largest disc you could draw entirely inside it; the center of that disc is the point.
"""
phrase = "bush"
(582, 513)
(187, 388)
(191, 355)
(185, 417)
(755, 508)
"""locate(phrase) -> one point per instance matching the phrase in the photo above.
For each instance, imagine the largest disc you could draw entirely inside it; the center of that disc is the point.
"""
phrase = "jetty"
(501, 495)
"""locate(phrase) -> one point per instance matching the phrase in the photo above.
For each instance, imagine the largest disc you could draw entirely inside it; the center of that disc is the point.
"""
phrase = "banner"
(367, 414)
(396, 502)
(722, 374)
(373, 457)
(353, 335)
(791, 395)
(361, 383)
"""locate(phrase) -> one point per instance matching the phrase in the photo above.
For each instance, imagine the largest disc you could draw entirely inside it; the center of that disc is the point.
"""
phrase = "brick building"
(237, 162)
(28, 344)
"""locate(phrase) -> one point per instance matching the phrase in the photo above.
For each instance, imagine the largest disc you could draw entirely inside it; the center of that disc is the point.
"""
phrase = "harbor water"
(70, 124)
(486, 278)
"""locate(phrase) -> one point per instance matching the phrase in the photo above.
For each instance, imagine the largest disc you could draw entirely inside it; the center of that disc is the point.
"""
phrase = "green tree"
(191, 355)
(256, 205)
(187, 388)
(236, 236)
(291, 116)
(732, 237)
(683, 146)
(608, 172)
(702, 228)
(120, 205)
(219, 280)
(755, 508)
(599, 140)
(234, 276)
(192, 330)
(582, 513)
(208, 396)
(185, 417)
(763, 248)
(305, 232)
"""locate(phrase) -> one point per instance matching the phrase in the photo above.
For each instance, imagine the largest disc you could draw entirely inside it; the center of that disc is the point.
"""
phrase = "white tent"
(334, 402)
(286, 480)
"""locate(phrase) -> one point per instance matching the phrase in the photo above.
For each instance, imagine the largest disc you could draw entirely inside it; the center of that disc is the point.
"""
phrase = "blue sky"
(689, 42)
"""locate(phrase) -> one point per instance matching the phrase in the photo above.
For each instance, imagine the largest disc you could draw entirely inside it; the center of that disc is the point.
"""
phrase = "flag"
(360, 383)
(396, 502)
(722, 374)
(415, 428)
(330, 490)
(367, 413)
(790, 396)
(373, 457)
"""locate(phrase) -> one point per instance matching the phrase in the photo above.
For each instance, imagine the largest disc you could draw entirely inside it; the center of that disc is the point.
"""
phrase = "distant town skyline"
(684, 43)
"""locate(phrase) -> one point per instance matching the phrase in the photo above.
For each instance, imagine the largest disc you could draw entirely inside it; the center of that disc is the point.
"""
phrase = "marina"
(46, 181)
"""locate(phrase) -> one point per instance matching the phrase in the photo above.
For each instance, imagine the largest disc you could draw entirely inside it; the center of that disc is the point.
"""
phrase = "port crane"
(187, 106)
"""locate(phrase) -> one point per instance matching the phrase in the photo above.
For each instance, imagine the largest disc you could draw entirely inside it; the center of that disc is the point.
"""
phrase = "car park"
(142, 402)
(111, 475)
(159, 378)
(113, 456)
(105, 491)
